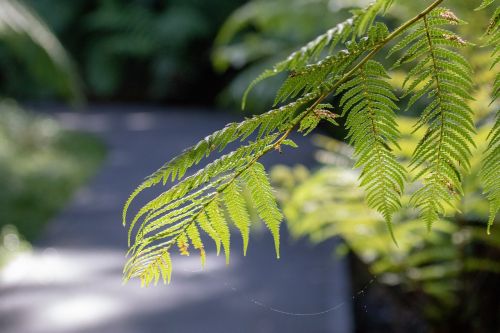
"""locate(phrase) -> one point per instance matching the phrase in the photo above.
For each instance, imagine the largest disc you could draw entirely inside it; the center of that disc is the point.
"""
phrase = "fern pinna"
(444, 77)
(339, 62)
(491, 162)
(369, 102)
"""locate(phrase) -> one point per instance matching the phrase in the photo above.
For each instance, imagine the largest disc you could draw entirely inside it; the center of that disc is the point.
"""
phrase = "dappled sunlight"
(80, 311)
(51, 266)
(59, 267)
(63, 290)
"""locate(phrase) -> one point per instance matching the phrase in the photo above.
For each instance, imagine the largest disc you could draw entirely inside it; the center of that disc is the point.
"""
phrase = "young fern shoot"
(339, 62)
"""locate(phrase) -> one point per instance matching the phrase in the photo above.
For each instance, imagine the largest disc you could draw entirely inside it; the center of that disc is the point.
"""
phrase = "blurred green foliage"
(40, 167)
(436, 274)
(128, 50)
(263, 32)
(28, 46)
(260, 33)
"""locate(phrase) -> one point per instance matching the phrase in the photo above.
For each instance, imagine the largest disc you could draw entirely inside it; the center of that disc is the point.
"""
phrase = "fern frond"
(196, 202)
(220, 225)
(194, 236)
(369, 102)
(194, 190)
(324, 45)
(174, 218)
(444, 77)
(491, 161)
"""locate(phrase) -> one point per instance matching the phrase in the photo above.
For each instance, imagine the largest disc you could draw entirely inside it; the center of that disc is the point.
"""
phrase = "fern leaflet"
(238, 212)
(441, 75)
(263, 198)
(491, 160)
(369, 102)
(331, 68)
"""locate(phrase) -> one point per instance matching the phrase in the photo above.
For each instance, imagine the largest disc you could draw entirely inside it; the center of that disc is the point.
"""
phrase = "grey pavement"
(72, 280)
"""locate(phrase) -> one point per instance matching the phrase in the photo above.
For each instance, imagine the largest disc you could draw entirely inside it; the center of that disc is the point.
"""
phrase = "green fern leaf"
(236, 207)
(491, 160)
(174, 216)
(443, 76)
(186, 197)
(205, 225)
(219, 224)
(183, 243)
(368, 103)
(262, 195)
(194, 236)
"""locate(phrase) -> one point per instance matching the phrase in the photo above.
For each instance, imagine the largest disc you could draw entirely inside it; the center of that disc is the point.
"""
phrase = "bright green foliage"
(263, 125)
(491, 163)
(167, 218)
(217, 219)
(209, 198)
(263, 198)
(323, 46)
(445, 77)
(369, 102)
(238, 212)
(328, 203)
(197, 202)
(312, 77)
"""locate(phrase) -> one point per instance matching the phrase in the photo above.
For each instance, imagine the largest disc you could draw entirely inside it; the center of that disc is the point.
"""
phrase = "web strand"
(246, 297)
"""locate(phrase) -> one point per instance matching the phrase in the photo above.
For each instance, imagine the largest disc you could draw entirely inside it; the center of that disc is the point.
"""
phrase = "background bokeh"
(96, 94)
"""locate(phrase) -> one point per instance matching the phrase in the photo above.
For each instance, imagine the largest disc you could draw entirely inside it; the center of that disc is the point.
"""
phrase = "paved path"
(72, 281)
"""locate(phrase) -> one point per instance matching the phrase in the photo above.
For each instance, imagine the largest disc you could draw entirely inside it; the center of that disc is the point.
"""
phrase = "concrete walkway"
(72, 281)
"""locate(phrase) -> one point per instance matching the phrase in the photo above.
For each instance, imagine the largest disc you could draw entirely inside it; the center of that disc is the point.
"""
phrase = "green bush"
(41, 165)
(133, 50)
(33, 63)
